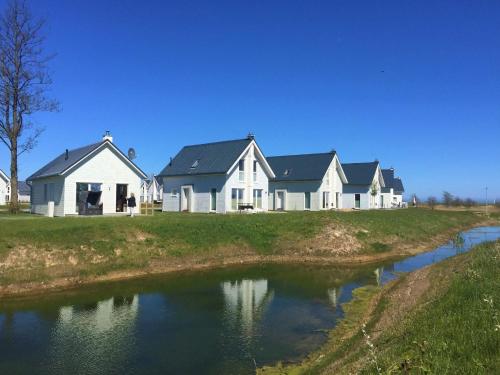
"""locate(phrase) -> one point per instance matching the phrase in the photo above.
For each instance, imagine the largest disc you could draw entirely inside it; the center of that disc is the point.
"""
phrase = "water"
(215, 322)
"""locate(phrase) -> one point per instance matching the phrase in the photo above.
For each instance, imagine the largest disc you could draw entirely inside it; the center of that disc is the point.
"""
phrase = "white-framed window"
(174, 193)
(255, 164)
(241, 169)
(307, 200)
(257, 198)
(326, 199)
(328, 177)
(236, 198)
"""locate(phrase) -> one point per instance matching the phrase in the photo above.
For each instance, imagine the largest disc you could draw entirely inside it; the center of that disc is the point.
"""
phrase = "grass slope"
(458, 331)
(39, 249)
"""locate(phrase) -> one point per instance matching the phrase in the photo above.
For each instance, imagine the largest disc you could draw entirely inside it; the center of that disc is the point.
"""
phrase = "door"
(307, 200)
(357, 200)
(337, 200)
(326, 200)
(186, 198)
(121, 197)
(280, 200)
(213, 200)
(381, 201)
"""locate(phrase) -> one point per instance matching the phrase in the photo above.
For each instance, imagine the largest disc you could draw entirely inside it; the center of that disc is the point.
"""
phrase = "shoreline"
(28, 290)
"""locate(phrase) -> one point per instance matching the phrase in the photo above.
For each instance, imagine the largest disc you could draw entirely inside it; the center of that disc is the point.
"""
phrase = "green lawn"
(459, 331)
(100, 244)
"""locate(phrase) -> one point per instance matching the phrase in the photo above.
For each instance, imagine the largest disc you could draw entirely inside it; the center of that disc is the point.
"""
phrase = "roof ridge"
(314, 153)
(218, 142)
(366, 162)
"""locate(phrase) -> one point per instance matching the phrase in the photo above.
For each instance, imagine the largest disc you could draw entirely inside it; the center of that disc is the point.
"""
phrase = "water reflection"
(245, 302)
(334, 296)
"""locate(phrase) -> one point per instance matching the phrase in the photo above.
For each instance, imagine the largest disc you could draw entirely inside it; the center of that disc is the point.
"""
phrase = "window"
(241, 168)
(255, 171)
(307, 200)
(82, 194)
(48, 193)
(236, 198)
(257, 198)
(174, 193)
(328, 177)
(287, 172)
(195, 163)
(213, 200)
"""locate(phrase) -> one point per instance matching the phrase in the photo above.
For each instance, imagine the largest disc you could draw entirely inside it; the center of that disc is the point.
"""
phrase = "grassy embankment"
(37, 249)
(444, 319)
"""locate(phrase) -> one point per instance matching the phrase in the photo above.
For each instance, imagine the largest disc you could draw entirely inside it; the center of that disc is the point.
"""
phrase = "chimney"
(107, 137)
(251, 136)
(66, 157)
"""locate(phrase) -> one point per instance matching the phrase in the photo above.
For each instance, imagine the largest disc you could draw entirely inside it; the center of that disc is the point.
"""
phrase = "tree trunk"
(14, 199)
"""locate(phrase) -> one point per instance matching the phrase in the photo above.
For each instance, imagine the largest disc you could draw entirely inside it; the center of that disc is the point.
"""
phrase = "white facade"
(221, 193)
(365, 197)
(4, 188)
(105, 168)
(314, 195)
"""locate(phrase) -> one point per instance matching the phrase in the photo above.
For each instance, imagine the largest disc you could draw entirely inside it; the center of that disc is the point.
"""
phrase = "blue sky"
(415, 84)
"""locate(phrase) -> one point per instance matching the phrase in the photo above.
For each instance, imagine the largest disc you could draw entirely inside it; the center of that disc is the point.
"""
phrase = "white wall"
(3, 191)
(202, 185)
(38, 201)
(108, 168)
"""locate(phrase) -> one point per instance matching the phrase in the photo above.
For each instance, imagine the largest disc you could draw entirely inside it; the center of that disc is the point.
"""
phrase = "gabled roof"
(207, 158)
(360, 173)
(305, 167)
(398, 185)
(68, 159)
(392, 182)
(4, 176)
(24, 188)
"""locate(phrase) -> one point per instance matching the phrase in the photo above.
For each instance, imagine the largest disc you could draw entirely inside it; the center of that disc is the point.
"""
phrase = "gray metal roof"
(24, 188)
(71, 157)
(398, 185)
(360, 173)
(391, 181)
(304, 167)
(208, 158)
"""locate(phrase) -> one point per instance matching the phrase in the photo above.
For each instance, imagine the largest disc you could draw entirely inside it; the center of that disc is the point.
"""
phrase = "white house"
(91, 180)
(306, 182)
(393, 191)
(364, 187)
(217, 177)
(151, 190)
(4, 188)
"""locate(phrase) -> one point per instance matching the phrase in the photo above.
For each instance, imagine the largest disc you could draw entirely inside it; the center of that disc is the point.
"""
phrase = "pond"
(225, 321)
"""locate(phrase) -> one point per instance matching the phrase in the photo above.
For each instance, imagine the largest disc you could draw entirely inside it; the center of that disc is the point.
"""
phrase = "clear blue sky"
(415, 84)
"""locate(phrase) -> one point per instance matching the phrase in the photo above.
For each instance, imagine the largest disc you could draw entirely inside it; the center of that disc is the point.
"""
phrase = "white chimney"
(107, 137)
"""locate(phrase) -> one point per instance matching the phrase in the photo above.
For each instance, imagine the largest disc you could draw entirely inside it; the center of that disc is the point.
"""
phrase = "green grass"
(102, 244)
(457, 332)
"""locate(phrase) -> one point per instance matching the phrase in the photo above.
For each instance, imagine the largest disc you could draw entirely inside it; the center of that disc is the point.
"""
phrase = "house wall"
(3, 191)
(388, 198)
(108, 168)
(39, 205)
(295, 194)
(202, 185)
(295, 190)
(348, 196)
(262, 181)
(397, 199)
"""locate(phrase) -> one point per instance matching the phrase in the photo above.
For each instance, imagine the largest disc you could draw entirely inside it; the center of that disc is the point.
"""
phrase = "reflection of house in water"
(379, 272)
(246, 300)
(91, 333)
(334, 295)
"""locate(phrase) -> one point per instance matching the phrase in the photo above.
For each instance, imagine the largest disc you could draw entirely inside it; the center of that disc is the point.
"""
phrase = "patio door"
(357, 200)
(337, 200)
(213, 200)
(280, 200)
(326, 200)
(121, 197)
(381, 201)
(186, 198)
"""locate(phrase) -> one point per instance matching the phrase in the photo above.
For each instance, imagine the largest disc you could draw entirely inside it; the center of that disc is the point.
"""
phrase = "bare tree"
(431, 202)
(447, 198)
(24, 81)
(469, 202)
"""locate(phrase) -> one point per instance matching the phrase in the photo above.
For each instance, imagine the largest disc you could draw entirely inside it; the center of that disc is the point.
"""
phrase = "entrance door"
(121, 197)
(337, 200)
(186, 198)
(381, 201)
(357, 200)
(280, 200)
(326, 200)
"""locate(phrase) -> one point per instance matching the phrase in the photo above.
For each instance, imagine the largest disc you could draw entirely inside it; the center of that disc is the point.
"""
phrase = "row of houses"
(219, 177)
(23, 190)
